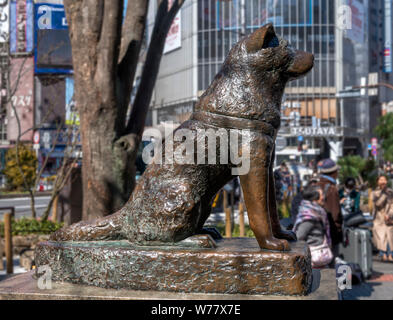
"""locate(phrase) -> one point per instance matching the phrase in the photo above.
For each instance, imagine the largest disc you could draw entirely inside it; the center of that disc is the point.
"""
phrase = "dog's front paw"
(275, 244)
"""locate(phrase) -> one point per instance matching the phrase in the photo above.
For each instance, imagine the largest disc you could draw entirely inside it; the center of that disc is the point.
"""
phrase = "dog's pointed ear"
(261, 38)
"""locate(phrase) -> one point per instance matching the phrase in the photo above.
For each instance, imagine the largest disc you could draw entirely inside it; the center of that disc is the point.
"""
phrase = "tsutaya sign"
(315, 131)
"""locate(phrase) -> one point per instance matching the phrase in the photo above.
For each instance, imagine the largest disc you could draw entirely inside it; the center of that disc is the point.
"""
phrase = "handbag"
(321, 255)
(389, 216)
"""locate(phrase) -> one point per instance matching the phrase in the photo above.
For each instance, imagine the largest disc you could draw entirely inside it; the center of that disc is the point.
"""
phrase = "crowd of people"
(321, 210)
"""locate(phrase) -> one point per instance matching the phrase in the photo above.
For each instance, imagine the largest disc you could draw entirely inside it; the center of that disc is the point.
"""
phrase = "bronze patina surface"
(171, 202)
(236, 266)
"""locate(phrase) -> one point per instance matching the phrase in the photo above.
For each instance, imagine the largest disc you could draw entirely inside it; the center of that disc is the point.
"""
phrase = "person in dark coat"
(328, 182)
(350, 197)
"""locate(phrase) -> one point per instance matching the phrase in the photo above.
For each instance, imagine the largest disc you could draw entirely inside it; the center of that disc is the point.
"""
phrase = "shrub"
(358, 168)
(28, 165)
(27, 226)
(236, 230)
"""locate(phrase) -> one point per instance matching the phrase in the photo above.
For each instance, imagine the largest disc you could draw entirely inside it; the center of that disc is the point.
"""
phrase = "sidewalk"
(379, 287)
(25, 195)
(17, 269)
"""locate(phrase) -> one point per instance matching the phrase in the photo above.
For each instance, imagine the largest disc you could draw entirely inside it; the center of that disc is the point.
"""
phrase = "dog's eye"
(271, 41)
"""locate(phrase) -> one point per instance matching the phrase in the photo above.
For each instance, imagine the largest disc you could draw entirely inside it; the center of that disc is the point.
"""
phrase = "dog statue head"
(252, 79)
(265, 53)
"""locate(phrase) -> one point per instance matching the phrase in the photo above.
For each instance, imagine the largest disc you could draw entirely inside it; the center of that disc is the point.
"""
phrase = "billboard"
(4, 20)
(21, 21)
(22, 84)
(387, 54)
(357, 31)
(173, 39)
(52, 42)
(50, 106)
(72, 116)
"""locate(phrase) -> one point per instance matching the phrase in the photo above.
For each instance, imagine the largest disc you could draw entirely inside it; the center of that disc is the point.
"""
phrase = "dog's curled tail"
(107, 228)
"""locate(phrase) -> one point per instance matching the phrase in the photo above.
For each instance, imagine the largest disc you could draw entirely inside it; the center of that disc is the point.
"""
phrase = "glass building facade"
(331, 124)
(309, 25)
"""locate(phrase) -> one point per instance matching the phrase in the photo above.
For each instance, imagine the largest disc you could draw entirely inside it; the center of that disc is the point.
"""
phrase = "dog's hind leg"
(278, 232)
(107, 228)
(255, 186)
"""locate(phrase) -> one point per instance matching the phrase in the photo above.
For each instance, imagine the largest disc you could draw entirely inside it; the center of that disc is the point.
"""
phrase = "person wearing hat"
(328, 182)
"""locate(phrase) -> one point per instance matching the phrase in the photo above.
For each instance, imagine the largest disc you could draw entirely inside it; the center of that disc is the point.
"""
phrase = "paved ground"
(379, 287)
(17, 269)
(22, 205)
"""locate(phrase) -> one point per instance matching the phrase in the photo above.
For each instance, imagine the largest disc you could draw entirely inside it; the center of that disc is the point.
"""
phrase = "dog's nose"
(302, 63)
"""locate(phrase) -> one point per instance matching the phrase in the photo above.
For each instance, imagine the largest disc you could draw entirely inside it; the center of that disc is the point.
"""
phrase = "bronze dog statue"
(171, 202)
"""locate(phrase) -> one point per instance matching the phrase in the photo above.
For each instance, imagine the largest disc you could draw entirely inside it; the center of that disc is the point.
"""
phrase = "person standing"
(383, 219)
(350, 197)
(328, 182)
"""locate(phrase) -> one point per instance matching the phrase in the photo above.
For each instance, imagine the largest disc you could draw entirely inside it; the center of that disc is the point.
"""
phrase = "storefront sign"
(4, 20)
(315, 132)
(59, 138)
(173, 39)
(387, 54)
(21, 33)
(22, 84)
(52, 41)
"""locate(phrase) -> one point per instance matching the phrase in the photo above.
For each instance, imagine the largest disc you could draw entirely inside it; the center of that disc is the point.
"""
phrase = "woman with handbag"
(312, 226)
(383, 219)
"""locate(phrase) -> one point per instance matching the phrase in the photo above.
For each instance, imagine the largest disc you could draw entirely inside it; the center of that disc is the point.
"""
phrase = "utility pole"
(4, 75)
(243, 18)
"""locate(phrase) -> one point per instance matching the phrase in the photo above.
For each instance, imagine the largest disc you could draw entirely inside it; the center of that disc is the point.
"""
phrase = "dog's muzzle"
(302, 63)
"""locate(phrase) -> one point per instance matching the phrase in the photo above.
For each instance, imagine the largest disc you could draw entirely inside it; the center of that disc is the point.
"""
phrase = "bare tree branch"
(162, 25)
(132, 37)
(108, 49)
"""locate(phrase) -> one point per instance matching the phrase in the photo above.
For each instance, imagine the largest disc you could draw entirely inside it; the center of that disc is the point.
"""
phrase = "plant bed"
(27, 226)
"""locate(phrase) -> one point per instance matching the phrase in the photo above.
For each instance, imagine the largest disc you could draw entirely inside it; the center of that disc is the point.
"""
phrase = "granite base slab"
(235, 266)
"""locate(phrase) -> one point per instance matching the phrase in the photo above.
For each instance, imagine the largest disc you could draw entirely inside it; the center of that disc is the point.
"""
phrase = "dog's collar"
(228, 122)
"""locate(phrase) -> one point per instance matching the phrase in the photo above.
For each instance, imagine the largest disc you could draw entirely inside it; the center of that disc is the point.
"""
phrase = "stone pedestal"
(25, 287)
(235, 266)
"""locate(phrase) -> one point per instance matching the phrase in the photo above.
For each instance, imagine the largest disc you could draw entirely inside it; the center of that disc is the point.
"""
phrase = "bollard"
(241, 219)
(228, 224)
(232, 202)
(228, 213)
(8, 242)
(1, 254)
(225, 200)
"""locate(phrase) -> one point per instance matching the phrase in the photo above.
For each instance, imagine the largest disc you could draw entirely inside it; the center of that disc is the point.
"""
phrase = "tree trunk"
(105, 54)
(108, 167)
